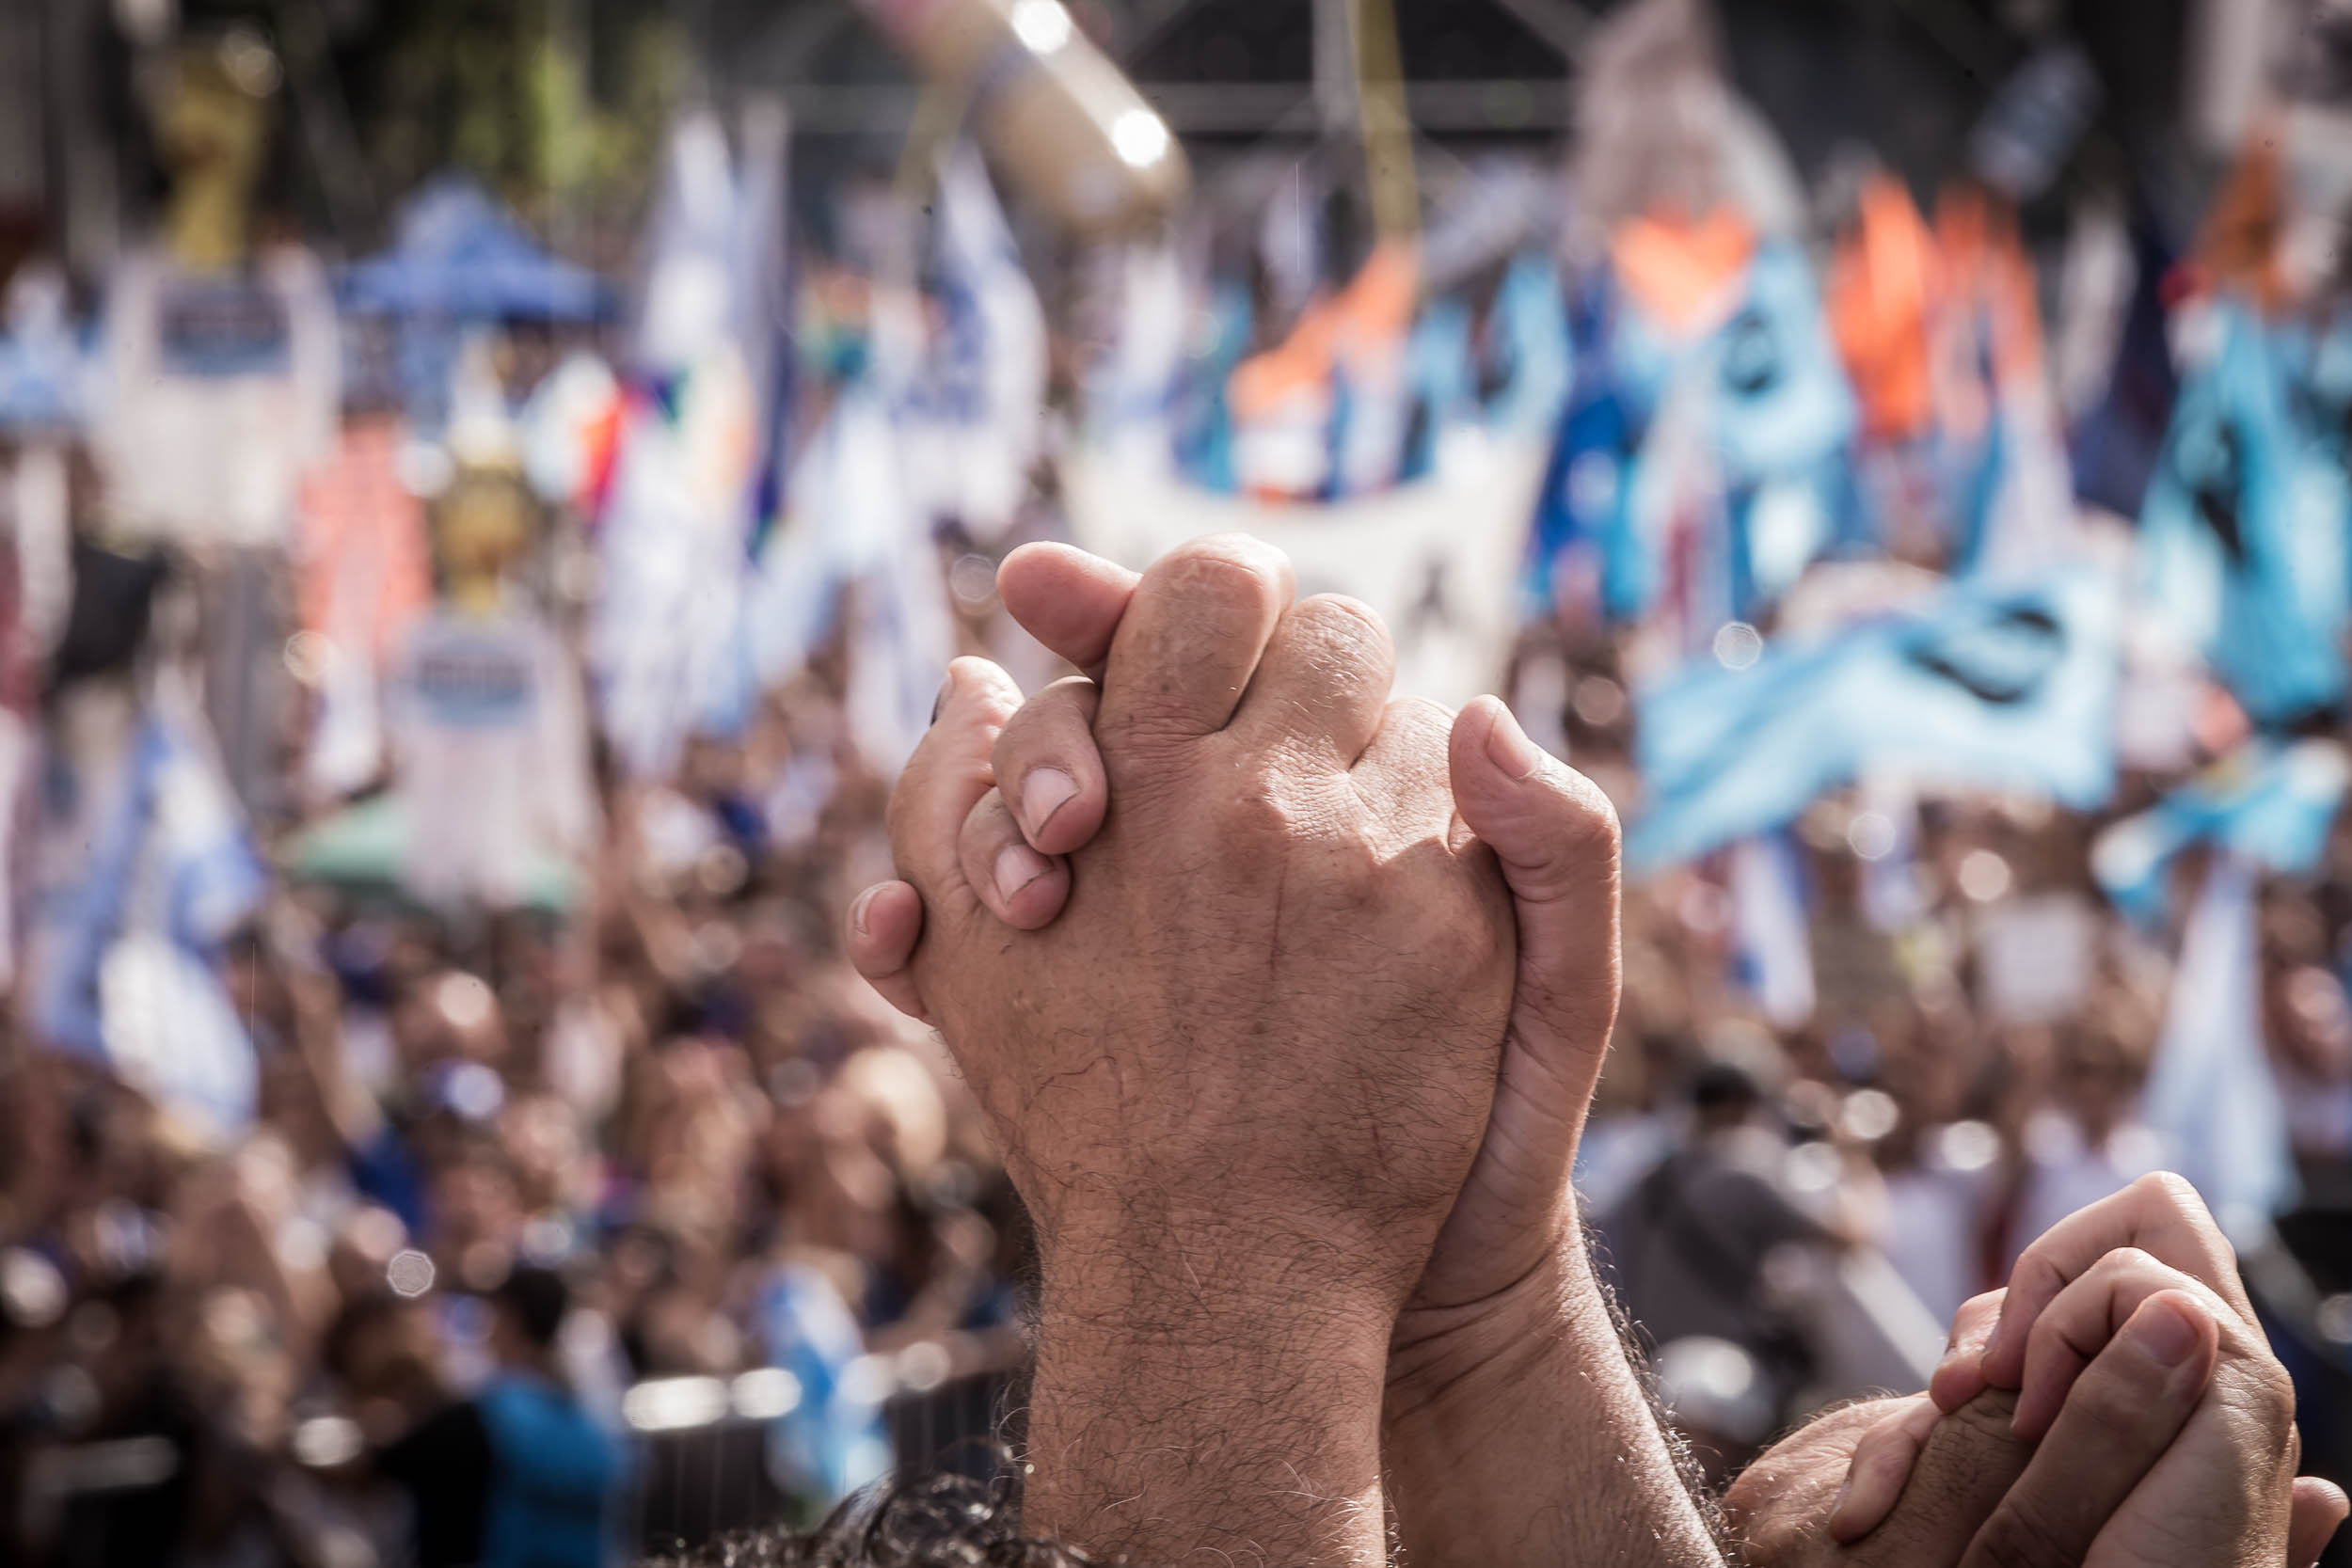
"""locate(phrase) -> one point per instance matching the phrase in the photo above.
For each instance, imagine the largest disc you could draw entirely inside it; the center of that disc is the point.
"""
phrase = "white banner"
(1438, 559)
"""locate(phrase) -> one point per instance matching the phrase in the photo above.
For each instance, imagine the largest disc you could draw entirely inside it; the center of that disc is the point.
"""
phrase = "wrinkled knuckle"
(2169, 1189)
(1259, 812)
(1223, 567)
(1421, 715)
(1346, 627)
(2270, 1395)
(976, 682)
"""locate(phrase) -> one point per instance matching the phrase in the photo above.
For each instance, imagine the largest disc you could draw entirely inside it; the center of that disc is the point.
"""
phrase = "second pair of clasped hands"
(1286, 1002)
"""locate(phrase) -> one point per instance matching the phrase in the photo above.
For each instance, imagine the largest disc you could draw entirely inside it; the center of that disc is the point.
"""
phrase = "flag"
(832, 1440)
(2116, 447)
(2211, 1092)
(1527, 347)
(2008, 688)
(983, 394)
(1204, 414)
(2243, 534)
(2268, 804)
(1441, 383)
(1772, 959)
(1321, 414)
(667, 641)
(1703, 447)
(155, 873)
(857, 541)
(1132, 389)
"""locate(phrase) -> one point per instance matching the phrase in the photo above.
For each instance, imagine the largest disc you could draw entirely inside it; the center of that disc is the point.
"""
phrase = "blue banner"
(2008, 688)
(2243, 536)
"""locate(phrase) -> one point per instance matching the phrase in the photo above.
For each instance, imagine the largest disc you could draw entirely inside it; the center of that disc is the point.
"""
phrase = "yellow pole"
(1388, 128)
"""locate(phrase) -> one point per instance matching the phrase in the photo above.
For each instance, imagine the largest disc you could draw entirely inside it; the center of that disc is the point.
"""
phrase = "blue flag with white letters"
(2008, 688)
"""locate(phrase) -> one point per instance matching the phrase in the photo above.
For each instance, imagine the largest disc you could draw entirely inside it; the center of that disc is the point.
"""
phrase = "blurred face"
(393, 1357)
(474, 1201)
(2312, 1022)
(542, 1137)
(2098, 1085)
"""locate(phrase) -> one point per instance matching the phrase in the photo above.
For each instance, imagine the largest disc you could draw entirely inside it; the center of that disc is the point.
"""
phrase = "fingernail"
(2165, 1333)
(858, 907)
(1017, 866)
(1045, 791)
(1509, 748)
(1839, 1526)
(939, 704)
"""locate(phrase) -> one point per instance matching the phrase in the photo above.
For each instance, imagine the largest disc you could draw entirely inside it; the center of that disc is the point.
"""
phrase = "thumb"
(1070, 601)
(2319, 1508)
(1555, 835)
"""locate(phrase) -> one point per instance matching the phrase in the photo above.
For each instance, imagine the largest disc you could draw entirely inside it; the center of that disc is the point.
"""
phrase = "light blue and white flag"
(830, 1440)
(2269, 803)
(2002, 688)
(1772, 953)
(2211, 1092)
(1527, 347)
(127, 940)
(2243, 536)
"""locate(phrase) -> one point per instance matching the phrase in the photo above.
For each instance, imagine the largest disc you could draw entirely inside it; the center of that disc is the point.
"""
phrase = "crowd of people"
(680, 1104)
(450, 1115)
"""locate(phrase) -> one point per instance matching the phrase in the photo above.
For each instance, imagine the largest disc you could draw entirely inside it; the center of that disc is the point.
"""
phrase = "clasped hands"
(1284, 1002)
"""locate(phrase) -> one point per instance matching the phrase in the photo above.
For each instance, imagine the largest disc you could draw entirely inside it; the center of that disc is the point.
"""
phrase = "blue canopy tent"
(461, 259)
(459, 262)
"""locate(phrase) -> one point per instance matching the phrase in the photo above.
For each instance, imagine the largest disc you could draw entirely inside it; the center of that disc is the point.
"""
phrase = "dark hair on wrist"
(943, 1521)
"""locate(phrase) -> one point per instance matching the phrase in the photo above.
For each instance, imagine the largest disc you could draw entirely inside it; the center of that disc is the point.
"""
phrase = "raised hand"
(2164, 1424)
(1505, 1332)
(1240, 1082)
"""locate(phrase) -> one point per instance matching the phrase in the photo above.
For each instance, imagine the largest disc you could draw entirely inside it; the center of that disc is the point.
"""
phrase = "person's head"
(380, 1349)
(2098, 1076)
(476, 1210)
(1723, 1095)
(527, 1315)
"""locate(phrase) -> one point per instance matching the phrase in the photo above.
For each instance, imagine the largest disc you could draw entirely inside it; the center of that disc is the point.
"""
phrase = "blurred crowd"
(678, 1108)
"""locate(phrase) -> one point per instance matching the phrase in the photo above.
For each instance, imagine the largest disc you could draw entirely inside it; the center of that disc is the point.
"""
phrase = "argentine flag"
(2000, 686)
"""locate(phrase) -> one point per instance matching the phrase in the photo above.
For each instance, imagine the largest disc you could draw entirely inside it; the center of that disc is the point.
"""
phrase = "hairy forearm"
(1518, 1432)
(1195, 1403)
